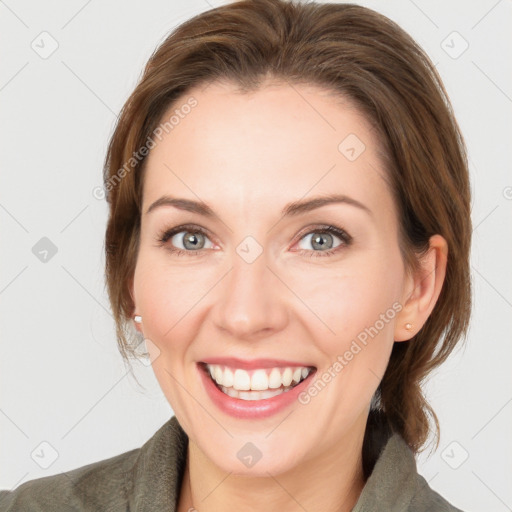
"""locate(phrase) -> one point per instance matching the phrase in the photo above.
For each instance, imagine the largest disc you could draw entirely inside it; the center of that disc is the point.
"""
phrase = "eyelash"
(165, 235)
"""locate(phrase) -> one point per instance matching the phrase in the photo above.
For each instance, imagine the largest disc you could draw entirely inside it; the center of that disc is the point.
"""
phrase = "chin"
(254, 458)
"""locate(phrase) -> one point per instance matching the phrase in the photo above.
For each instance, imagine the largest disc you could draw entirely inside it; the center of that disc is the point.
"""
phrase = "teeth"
(275, 380)
(218, 374)
(242, 380)
(262, 380)
(231, 392)
(228, 378)
(259, 380)
(287, 377)
(253, 395)
(248, 395)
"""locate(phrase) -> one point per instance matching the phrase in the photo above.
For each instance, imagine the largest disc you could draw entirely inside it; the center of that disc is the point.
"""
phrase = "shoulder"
(97, 486)
(148, 476)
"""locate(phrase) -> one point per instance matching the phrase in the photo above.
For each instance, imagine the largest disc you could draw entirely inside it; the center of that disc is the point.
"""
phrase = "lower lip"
(251, 409)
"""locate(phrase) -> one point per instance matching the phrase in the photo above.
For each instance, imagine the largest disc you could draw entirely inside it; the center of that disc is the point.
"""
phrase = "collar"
(393, 481)
(154, 482)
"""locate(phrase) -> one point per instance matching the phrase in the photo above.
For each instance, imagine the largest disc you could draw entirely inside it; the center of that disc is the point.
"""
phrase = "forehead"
(277, 144)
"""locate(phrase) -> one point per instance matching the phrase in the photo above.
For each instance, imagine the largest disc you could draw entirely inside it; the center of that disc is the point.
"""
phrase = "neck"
(332, 482)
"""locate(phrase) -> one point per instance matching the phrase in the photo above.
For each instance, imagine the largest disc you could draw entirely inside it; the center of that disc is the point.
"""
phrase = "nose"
(253, 300)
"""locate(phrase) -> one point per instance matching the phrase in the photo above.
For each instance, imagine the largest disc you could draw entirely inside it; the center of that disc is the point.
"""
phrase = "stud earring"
(408, 326)
(137, 319)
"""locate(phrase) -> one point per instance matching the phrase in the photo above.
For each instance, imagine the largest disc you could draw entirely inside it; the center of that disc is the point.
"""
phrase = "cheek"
(352, 298)
(359, 306)
(155, 294)
(168, 297)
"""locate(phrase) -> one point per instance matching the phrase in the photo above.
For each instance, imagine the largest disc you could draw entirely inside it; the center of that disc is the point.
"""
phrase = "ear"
(134, 312)
(422, 290)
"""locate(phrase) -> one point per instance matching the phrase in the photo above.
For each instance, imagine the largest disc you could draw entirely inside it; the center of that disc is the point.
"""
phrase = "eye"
(185, 240)
(323, 238)
(189, 240)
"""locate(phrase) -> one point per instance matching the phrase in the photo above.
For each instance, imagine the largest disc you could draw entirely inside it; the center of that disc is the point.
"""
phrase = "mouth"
(255, 384)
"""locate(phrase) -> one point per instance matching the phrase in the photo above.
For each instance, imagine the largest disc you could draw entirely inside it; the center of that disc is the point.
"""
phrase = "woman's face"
(258, 279)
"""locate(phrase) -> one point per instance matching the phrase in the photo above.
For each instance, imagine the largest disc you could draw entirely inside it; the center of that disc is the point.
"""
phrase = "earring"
(137, 319)
(408, 326)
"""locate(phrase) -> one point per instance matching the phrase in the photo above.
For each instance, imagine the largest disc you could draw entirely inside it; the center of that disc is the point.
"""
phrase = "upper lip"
(251, 364)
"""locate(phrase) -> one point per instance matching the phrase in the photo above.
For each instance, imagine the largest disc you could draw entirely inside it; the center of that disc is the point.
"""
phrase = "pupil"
(192, 239)
(318, 243)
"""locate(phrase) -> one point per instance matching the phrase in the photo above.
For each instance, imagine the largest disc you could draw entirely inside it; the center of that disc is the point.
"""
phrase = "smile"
(253, 392)
(257, 384)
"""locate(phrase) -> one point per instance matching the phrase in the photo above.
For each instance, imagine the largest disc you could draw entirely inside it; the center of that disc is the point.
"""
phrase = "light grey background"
(62, 380)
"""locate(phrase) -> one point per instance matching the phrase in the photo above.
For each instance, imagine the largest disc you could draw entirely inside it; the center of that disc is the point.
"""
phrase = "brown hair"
(361, 55)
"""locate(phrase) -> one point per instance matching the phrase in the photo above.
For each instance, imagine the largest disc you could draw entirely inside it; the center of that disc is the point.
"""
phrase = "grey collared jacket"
(148, 479)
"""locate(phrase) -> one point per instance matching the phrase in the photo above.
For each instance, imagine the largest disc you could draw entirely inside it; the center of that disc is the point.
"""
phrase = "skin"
(247, 156)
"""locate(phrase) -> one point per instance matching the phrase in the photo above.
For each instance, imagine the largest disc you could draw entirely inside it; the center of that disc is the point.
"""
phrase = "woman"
(289, 234)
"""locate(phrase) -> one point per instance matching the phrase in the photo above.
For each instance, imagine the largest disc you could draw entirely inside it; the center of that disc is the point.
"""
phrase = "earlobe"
(426, 288)
(404, 331)
(137, 322)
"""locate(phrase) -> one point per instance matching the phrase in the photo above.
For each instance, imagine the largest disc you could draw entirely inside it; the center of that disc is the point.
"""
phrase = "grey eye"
(320, 240)
(192, 240)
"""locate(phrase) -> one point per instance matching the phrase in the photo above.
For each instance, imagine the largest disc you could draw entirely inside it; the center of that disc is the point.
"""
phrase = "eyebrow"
(290, 210)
